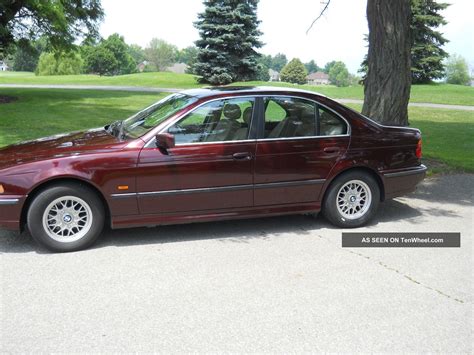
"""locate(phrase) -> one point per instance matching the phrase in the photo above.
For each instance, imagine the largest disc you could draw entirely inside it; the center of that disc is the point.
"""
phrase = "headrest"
(247, 116)
(232, 111)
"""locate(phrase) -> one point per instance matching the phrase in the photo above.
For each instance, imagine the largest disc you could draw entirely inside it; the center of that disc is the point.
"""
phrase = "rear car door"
(211, 165)
(299, 141)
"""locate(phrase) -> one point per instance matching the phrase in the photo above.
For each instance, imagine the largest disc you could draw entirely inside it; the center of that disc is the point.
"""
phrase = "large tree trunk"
(388, 81)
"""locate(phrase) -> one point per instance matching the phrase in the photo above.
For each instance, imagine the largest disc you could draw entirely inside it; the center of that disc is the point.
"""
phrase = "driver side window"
(216, 121)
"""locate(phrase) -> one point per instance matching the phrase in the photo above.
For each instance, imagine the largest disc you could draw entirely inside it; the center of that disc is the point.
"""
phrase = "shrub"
(294, 72)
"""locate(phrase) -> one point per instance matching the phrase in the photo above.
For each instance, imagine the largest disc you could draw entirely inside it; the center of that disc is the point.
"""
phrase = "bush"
(59, 64)
(294, 72)
(100, 60)
(457, 71)
(339, 75)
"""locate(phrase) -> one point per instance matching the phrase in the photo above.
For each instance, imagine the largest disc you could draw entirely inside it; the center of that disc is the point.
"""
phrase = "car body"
(220, 153)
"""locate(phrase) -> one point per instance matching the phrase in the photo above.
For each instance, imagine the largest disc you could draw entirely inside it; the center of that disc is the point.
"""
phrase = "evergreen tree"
(229, 35)
(294, 72)
(427, 56)
(426, 53)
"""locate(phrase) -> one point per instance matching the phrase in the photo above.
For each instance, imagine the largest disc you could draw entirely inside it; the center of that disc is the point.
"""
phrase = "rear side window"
(287, 117)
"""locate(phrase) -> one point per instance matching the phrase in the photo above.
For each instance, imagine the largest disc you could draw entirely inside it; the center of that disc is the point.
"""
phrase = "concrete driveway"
(268, 285)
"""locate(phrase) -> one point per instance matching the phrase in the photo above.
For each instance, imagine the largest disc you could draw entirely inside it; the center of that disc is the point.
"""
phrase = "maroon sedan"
(206, 155)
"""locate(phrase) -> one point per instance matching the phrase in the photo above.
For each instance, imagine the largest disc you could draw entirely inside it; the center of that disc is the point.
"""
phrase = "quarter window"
(330, 124)
(216, 121)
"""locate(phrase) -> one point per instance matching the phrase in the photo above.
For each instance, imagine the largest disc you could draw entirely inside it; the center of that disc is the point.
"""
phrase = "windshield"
(143, 121)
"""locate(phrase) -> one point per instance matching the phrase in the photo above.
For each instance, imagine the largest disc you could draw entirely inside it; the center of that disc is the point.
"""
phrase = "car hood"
(57, 146)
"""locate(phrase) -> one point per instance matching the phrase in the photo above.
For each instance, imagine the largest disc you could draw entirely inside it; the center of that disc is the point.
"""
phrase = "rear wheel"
(352, 199)
(66, 217)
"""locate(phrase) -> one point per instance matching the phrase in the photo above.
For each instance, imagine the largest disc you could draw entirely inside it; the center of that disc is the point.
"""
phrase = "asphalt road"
(268, 285)
(171, 90)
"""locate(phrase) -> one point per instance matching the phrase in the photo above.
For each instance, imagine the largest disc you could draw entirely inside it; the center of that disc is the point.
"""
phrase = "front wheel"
(352, 199)
(66, 217)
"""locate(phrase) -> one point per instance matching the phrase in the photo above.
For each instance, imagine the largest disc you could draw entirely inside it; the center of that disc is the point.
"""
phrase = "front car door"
(299, 143)
(211, 166)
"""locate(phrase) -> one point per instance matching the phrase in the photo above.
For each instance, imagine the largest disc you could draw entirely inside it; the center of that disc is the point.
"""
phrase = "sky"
(338, 35)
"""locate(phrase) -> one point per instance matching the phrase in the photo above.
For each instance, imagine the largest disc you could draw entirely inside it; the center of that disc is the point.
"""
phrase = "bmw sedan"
(208, 155)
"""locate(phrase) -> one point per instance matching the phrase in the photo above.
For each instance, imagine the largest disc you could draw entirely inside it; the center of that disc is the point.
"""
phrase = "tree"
(228, 31)
(457, 71)
(266, 60)
(388, 80)
(188, 56)
(339, 75)
(294, 72)
(100, 60)
(60, 21)
(311, 66)
(137, 53)
(27, 54)
(64, 63)
(110, 56)
(263, 74)
(426, 53)
(328, 66)
(278, 62)
(120, 50)
(160, 53)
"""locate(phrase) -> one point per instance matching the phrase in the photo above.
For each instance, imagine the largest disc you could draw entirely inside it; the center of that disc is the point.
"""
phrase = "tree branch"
(321, 14)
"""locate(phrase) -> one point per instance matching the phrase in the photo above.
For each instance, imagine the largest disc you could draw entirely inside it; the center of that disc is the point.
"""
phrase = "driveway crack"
(395, 270)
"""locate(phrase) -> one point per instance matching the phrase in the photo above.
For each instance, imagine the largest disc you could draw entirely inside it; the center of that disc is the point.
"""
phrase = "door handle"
(331, 150)
(242, 156)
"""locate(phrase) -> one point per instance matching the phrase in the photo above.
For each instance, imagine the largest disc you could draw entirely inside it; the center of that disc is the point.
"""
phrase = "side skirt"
(210, 216)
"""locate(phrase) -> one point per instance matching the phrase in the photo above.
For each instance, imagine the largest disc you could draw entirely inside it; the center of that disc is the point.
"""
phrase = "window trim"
(257, 117)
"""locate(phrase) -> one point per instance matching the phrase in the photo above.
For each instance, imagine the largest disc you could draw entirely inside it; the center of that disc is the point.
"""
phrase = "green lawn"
(160, 80)
(447, 134)
(434, 93)
(39, 113)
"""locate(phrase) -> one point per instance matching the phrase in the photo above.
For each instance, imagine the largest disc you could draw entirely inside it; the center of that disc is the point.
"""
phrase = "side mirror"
(164, 141)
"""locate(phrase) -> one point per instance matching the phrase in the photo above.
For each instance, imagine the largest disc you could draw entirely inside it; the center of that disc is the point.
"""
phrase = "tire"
(352, 199)
(66, 217)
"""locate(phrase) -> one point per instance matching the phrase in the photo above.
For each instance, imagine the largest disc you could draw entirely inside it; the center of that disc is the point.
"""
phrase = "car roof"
(252, 90)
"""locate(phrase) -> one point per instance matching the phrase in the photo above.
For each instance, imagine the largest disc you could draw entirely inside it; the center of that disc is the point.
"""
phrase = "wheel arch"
(363, 169)
(58, 181)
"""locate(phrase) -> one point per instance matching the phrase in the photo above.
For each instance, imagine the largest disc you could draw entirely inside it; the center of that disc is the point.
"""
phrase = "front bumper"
(401, 182)
(10, 211)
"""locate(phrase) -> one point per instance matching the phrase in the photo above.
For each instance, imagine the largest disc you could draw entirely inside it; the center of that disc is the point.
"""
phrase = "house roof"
(317, 75)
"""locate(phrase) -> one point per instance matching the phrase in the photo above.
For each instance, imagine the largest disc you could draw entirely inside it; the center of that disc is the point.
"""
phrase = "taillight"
(418, 149)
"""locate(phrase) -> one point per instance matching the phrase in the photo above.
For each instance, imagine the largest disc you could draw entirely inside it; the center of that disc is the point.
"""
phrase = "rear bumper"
(401, 182)
(10, 211)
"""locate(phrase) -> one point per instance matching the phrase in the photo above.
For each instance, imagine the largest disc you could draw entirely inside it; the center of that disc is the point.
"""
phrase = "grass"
(160, 80)
(38, 113)
(447, 134)
(433, 93)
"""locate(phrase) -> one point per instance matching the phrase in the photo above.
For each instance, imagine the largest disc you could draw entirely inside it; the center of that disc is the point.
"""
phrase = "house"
(178, 68)
(274, 75)
(318, 78)
(3, 66)
(141, 66)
